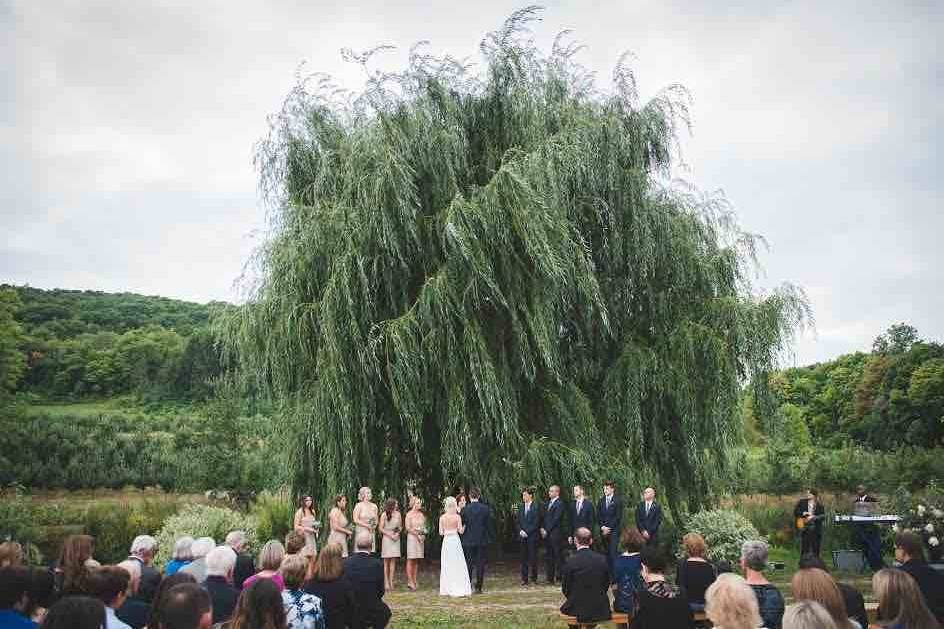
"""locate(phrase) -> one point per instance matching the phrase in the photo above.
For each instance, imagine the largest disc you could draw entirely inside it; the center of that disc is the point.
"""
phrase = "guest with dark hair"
(769, 599)
(909, 552)
(75, 612)
(14, 597)
(259, 607)
(694, 574)
(75, 561)
(851, 597)
(42, 593)
(336, 594)
(627, 571)
(294, 542)
(659, 604)
(110, 585)
(154, 617)
(186, 606)
(900, 602)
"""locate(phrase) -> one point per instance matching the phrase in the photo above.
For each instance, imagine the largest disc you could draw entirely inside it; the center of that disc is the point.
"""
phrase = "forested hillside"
(68, 344)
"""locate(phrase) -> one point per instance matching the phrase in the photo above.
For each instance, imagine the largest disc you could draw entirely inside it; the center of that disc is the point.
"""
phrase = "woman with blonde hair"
(807, 614)
(338, 524)
(270, 560)
(415, 524)
(813, 584)
(900, 602)
(365, 516)
(453, 572)
(730, 603)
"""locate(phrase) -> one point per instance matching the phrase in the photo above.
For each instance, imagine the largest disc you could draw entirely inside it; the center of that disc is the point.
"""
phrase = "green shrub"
(18, 524)
(273, 514)
(114, 527)
(724, 531)
(204, 521)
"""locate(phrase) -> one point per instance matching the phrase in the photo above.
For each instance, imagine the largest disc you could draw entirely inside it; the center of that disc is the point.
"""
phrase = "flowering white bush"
(923, 519)
(724, 532)
(203, 521)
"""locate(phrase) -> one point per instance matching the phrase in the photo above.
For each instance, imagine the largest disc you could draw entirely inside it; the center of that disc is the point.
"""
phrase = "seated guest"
(182, 556)
(627, 571)
(730, 603)
(74, 564)
(245, 564)
(199, 549)
(42, 593)
(769, 598)
(336, 594)
(660, 605)
(365, 574)
(302, 610)
(133, 611)
(14, 597)
(75, 612)
(813, 584)
(143, 549)
(220, 563)
(909, 552)
(853, 599)
(270, 560)
(694, 574)
(11, 554)
(294, 543)
(110, 585)
(154, 616)
(807, 615)
(584, 581)
(259, 607)
(901, 604)
(186, 606)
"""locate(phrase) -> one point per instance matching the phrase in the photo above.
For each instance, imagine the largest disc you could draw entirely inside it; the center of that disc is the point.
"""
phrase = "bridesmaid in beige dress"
(338, 524)
(365, 516)
(391, 523)
(415, 525)
(305, 523)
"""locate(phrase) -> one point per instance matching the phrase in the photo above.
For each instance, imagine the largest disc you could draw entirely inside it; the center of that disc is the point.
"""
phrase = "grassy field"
(508, 605)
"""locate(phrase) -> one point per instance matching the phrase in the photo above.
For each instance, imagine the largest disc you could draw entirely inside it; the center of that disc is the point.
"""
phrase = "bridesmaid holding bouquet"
(338, 524)
(365, 516)
(391, 523)
(416, 532)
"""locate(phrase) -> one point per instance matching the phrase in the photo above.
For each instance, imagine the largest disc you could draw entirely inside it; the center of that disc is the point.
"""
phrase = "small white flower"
(938, 514)
(929, 528)
(921, 509)
(895, 528)
(933, 541)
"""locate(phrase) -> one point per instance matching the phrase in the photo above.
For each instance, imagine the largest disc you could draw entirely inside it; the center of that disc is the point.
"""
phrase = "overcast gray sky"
(127, 128)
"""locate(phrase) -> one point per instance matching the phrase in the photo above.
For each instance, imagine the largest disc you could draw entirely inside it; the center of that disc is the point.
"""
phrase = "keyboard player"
(867, 533)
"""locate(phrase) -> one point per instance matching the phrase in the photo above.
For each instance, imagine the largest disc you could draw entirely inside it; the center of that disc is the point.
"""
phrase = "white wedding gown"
(453, 572)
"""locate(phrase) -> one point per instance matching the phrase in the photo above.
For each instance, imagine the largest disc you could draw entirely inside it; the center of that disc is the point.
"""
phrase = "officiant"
(809, 515)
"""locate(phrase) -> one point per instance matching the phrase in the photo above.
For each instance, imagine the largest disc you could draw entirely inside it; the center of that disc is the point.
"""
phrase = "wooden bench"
(622, 620)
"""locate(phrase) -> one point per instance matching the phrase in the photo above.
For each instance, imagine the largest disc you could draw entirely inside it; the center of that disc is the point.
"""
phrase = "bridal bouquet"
(372, 522)
(316, 525)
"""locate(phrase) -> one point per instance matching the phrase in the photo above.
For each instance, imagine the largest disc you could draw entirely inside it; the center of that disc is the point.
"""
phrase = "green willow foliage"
(483, 277)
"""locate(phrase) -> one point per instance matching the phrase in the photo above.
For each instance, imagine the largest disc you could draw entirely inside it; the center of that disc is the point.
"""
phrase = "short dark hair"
(654, 559)
(154, 617)
(75, 612)
(108, 583)
(632, 540)
(527, 490)
(911, 544)
(474, 493)
(14, 583)
(810, 560)
(42, 588)
(609, 483)
(294, 542)
(814, 492)
(183, 606)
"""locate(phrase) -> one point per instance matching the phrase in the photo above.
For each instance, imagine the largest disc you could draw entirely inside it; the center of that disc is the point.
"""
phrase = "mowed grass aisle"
(506, 604)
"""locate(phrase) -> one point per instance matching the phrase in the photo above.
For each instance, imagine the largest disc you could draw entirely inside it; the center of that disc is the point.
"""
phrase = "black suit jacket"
(365, 574)
(245, 568)
(475, 519)
(531, 523)
(133, 613)
(585, 582)
(222, 596)
(649, 522)
(931, 584)
(553, 519)
(803, 505)
(150, 580)
(583, 518)
(612, 517)
(337, 602)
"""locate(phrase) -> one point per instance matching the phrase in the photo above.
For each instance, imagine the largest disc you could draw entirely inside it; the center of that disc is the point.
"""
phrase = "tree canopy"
(484, 275)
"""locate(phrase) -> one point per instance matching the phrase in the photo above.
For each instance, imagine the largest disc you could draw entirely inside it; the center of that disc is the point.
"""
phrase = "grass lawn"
(506, 604)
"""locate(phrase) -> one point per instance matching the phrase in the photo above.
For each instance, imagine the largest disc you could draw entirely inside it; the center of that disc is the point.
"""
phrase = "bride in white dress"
(453, 572)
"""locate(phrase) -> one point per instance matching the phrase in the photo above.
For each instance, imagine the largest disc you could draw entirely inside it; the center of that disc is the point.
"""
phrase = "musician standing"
(868, 533)
(809, 515)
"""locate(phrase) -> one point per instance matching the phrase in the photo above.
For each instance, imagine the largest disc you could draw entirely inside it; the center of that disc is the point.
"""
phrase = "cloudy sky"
(127, 129)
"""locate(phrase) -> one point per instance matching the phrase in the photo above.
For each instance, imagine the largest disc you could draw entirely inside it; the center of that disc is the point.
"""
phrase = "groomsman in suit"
(649, 516)
(529, 523)
(552, 531)
(476, 518)
(610, 514)
(581, 514)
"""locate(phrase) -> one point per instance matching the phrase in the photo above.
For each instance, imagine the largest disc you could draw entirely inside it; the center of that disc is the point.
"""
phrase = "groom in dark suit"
(649, 516)
(475, 519)
(529, 523)
(552, 531)
(610, 515)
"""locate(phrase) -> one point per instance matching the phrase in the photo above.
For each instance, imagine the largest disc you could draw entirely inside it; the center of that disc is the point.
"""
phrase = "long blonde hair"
(730, 603)
(450, 505)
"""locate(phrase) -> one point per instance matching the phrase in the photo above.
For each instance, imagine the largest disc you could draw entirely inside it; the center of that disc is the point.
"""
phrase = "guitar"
(802, 521)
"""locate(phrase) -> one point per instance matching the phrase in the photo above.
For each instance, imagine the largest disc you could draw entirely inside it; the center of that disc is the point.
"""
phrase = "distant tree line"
(68, 344)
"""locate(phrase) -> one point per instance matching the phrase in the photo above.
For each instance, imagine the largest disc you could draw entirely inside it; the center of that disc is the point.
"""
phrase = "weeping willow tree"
(484, 275)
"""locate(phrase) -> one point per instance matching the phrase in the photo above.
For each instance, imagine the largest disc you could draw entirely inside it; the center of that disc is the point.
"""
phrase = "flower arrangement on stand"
(926, 519)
